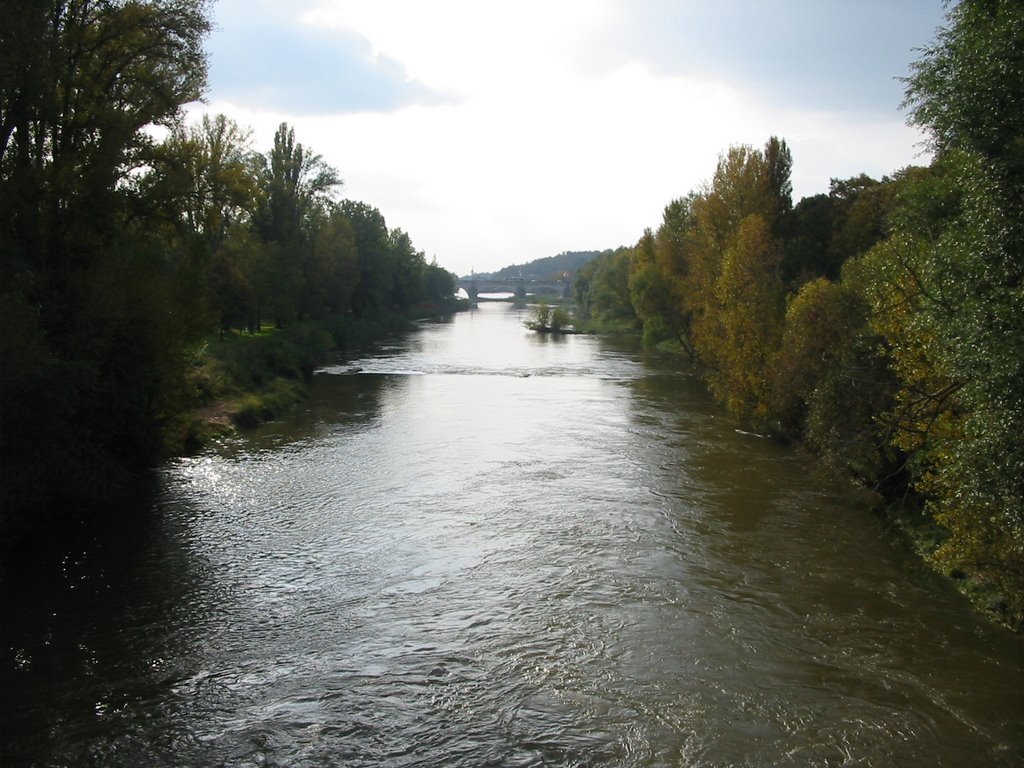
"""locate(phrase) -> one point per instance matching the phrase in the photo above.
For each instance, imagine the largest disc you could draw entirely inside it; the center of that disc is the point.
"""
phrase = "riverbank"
(914, 530)
(240, 379)
(922, 537)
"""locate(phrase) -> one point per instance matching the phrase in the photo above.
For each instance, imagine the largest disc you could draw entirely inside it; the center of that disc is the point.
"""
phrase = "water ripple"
(582, 566)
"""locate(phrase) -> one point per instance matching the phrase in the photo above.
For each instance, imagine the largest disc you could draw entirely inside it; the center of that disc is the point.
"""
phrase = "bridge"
(517, 286)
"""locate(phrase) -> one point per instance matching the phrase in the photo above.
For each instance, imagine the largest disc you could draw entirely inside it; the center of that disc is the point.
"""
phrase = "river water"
(492, 548)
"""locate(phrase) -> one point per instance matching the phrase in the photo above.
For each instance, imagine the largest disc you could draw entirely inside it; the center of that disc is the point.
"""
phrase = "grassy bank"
(240, 379)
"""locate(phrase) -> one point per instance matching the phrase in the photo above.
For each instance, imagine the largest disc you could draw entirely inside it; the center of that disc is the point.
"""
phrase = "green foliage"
(102, 296)
(547, 319)
(808, 236)
(297, 186)
(206, 173)
(376, 269)
(751, 300)
(828, 382)
(601, 292)
(242, 379)
(333, 275)
(945, 296)
(438, 283)
(254, 408)
(881, 324)
(948, 301)
(861, 209)
(563, 266)
(648, 291)
(823, 232)
(658, 278)
(734, 296)
(955, 261)
(560, 320)
(818, 320)
(540, 318)
(966, 89)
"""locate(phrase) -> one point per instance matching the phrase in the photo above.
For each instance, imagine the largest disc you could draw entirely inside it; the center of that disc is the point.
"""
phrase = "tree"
(658, 277)
(209, 173)
(828, 382)
(966, 89)
(297, 187)
(961, 274)
(751, 302)
(297, 183)
(77, 95)
(648, 291)
(438, 283)
(746, 181)
(601, 290)
(779, 162)
(205, 176)
(548, 319)
(376, 272)
(409, 265)
(807, 241)
(96, 291)
(337, 254)
(734, 282)
(540, 318)
(861, 208)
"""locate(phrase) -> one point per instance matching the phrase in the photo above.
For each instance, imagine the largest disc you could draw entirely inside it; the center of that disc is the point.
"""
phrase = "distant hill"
(548, 268)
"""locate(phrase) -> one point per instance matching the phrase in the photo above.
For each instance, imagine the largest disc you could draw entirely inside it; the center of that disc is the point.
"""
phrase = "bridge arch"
(518, 287)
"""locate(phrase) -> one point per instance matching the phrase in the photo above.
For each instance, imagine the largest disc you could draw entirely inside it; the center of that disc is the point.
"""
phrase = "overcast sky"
(498, 132)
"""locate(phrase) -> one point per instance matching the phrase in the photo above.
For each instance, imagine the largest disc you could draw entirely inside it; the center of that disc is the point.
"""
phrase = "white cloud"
(540, 150)
(467, 44)
(273, 59)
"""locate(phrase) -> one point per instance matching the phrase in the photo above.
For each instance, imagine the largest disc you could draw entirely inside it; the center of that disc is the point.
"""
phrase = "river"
(493, 548)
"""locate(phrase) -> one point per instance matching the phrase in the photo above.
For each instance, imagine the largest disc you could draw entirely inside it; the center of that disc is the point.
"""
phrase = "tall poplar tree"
(735, 283)
(298, 186)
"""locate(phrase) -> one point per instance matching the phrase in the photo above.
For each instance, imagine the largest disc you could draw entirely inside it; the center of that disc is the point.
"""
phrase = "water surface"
(495, 548)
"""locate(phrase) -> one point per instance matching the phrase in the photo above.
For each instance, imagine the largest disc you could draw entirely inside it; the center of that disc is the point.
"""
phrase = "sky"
(496, 132)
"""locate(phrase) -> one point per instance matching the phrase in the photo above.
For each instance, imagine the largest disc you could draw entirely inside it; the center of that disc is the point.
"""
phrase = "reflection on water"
(496, 548)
